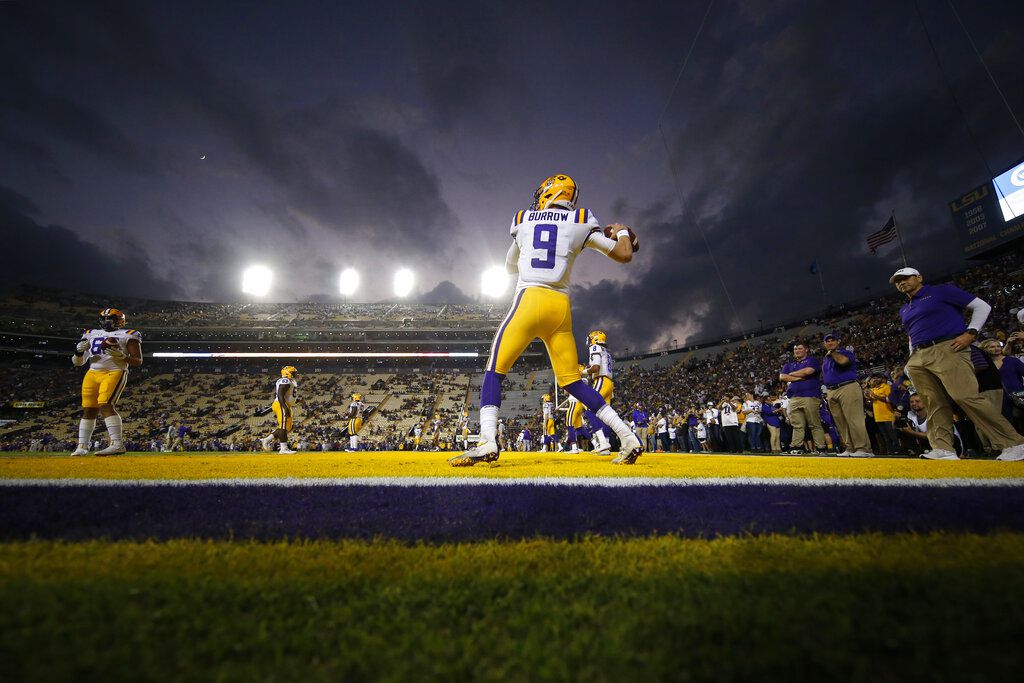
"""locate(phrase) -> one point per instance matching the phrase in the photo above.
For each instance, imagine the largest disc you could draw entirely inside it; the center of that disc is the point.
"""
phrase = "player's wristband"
(622, 233)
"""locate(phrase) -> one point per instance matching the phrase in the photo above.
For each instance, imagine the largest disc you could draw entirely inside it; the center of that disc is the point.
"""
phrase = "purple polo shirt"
(833, 373)
(805, 388)
(1012, 374)
(935, 311)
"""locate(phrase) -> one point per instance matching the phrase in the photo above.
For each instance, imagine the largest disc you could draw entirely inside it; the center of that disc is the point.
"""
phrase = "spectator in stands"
(711, 419)
(773, 425)
(1011, 375)
(804, 391)
(878, 393)
(843, 395)
(754, 422)
(940, 363)
(731, 434)
(662, 430)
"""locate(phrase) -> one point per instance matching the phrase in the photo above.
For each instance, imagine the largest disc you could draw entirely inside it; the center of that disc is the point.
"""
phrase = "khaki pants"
(803, 415)
(939, 373)
(775, 438)
(995, 397)
(847, 406)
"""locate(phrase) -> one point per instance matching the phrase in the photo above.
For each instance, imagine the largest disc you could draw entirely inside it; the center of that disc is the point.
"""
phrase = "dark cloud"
(446, 292)
(42, 254)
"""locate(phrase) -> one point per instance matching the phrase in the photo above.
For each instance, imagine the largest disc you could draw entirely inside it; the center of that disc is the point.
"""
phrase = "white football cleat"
(483, 452)
(631, 450)
(286, 451)
(80, 451)
(267, 442)
(939, 455)
(112, 449)
(1013, 453)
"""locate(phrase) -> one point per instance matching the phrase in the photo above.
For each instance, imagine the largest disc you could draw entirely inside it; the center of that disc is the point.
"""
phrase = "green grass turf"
(906, 607)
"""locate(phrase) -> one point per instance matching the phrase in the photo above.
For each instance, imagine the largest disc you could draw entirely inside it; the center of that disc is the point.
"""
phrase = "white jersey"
(99, 357)
(549, 410)
(417, 431)
(711, 415)
(289, 388)
(436, 427)
(600, 357)
(545, 244)
(355, 409)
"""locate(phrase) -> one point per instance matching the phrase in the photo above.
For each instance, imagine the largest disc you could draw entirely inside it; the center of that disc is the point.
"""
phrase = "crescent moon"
(203, 157)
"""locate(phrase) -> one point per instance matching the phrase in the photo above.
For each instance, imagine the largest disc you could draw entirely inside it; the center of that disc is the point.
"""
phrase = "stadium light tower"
(494, 281)
(348, 282)
(404, 281)
(256, 280)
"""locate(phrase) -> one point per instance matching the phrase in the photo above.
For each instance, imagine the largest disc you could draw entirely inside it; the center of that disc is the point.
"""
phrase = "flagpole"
(896, 227)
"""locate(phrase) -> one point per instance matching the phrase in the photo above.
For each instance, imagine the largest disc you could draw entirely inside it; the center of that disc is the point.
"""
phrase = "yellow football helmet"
(558, 190)
(111, 319)
(547, 398)
(597, 337)
(357, 397)
(288, 371)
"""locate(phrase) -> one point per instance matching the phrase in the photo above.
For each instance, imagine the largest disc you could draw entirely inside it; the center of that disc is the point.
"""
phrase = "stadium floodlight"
(348, 282)
(494, 281)
(404, 281)
(256, 280)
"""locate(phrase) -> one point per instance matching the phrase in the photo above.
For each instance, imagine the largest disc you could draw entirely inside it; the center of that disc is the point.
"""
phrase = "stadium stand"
(224, 406)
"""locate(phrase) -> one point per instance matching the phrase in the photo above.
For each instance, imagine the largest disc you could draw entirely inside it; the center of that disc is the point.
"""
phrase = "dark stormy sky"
(380, 135)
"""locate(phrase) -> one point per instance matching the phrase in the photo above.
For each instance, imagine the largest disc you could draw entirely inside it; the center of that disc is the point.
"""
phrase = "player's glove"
(81, 346)
(116, 353)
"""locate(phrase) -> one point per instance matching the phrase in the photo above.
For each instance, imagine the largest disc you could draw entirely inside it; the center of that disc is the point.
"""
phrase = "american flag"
(884, 236)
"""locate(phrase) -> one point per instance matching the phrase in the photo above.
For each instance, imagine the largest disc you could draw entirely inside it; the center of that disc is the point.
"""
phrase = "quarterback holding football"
(546, 239)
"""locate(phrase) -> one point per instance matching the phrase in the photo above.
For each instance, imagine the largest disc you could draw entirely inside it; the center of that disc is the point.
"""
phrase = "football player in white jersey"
(600, 372)
(417, 436)
(463, 428)
(435, 432)
(286, 393)
(355, 421)
(548, 439)
(546, 239)
(109, 351)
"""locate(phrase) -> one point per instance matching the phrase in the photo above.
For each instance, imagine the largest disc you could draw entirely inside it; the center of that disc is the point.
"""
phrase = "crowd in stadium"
(721, 400)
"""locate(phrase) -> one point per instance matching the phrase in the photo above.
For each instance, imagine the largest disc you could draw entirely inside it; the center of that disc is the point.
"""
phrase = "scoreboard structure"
(991, 215)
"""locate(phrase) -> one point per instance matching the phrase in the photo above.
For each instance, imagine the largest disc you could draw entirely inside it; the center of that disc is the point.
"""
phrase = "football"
(111, 342)
(611, 230)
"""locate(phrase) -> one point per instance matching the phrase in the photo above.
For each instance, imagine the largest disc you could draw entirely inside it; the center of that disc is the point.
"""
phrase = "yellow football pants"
(605, 387)
(354, 426)
(103, 386)
(575, 414)
(537, 313)
(549, 426)
(284, 417)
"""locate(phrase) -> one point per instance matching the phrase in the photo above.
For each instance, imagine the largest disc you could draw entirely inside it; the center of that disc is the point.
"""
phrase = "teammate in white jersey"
(463, 428)
(355, 421)
(548, 438)
(600, 372)
(109, 351)
(286, 394)
(546, 238)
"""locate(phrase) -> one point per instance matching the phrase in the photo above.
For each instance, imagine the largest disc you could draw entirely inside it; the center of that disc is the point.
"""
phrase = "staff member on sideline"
(804, 391)
(940, 363)
(842, 393)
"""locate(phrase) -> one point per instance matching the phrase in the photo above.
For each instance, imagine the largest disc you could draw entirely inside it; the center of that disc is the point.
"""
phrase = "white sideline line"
(590, 482)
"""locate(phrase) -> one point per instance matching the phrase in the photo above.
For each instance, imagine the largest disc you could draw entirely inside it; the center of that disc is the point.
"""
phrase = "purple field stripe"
(474, 513)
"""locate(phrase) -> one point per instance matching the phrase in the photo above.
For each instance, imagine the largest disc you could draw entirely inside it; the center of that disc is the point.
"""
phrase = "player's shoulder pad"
(133, 334)
(517, 219)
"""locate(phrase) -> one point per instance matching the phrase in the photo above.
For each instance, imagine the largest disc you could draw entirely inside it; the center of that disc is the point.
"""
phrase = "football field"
(328, 566)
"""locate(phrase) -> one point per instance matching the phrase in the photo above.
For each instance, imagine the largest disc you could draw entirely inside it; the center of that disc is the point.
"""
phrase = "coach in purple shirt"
(803, 374)
(844, 398)
(940, 363)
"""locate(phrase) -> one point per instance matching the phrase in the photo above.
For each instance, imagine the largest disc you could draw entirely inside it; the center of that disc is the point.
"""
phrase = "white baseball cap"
(903, 272)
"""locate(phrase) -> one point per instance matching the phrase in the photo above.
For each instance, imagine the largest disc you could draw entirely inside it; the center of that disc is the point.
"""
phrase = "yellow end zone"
(511, 465)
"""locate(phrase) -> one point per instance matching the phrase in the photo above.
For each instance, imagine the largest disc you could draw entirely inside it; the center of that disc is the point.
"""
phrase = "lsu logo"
(971, 197)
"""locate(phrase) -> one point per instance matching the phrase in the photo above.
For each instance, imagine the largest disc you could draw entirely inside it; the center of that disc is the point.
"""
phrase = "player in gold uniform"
(109, 351)
(355, 421)
(546, 239)
(548, 439)
(286, 393)
(600, 373)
